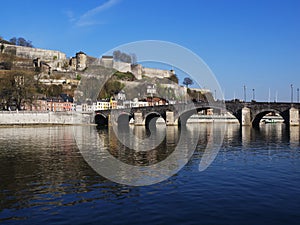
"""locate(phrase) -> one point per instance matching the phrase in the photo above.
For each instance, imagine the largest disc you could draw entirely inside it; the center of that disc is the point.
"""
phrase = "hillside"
(83, 77)
(11, 62)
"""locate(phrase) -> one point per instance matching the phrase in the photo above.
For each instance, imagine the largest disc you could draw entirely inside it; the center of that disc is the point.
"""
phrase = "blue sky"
(245, 42)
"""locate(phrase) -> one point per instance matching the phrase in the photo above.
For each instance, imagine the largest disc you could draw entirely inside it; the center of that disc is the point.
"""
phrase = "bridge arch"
(124, 118)
(151, 118)
(250, 113)
(261, 113)
(101, 120)
(183, 117)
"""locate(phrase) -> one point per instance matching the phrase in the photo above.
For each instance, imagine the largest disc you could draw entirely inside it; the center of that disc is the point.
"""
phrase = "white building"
(135, 103)
(78, 108)
(151, 89)
(86, 107)
(121, 95)
(103, 105)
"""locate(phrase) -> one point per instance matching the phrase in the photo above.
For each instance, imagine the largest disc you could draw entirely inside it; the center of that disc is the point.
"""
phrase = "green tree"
(110, 88)
(187, 81)
(78, 77)
(124, 76)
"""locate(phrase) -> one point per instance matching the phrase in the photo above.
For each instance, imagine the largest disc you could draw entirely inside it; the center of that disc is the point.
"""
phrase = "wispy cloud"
(87, 19)
(70, 15)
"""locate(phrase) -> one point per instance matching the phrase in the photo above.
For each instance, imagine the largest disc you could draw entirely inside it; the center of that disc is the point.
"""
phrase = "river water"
(254, 179)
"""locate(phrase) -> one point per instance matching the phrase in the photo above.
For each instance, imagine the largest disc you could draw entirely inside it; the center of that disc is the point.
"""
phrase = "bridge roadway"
(247, 113)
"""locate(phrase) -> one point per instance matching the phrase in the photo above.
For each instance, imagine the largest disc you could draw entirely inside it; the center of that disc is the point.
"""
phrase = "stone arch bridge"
(250, 113)
(247, 113)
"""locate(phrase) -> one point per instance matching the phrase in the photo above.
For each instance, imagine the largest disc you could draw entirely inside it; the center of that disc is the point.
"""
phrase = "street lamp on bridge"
(253, 94)
(245, 93)
(215, 94)
(292, 93)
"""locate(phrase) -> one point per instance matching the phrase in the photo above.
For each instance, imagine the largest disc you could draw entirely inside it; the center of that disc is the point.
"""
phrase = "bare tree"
(21, 42)
(133, 59)
(121, 56)
(16, 88)
(13, 41)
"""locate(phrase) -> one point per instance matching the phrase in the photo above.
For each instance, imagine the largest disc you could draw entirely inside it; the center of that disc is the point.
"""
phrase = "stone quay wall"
(44, 118)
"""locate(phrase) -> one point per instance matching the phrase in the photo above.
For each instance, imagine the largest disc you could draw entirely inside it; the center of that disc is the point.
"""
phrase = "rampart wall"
(33, 53)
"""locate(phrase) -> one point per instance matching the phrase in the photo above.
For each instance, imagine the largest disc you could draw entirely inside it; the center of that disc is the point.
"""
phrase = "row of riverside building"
(65, 103)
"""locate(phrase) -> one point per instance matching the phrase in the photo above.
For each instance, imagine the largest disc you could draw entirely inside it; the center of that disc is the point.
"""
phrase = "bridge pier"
(170, 119)
(294, 117)
(138, 119)
(246, 117)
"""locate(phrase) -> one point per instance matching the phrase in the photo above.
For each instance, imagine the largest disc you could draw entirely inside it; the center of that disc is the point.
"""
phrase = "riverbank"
(25, 118)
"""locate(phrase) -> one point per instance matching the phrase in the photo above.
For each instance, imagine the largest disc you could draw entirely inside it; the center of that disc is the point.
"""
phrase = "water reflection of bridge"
(247, 113)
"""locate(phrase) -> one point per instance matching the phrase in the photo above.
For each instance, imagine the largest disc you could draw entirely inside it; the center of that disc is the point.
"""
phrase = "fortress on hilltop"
(50, 60)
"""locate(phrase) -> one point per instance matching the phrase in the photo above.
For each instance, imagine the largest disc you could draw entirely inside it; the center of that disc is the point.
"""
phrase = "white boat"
(269, 121)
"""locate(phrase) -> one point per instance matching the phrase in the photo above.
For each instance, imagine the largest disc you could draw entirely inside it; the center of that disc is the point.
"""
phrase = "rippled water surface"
(254, 179)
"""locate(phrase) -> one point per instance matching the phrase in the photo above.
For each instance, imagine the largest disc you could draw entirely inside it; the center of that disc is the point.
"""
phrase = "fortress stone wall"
(33, 53)
(107, 61)
(151, 72)
(122, 66)
(137, 70)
